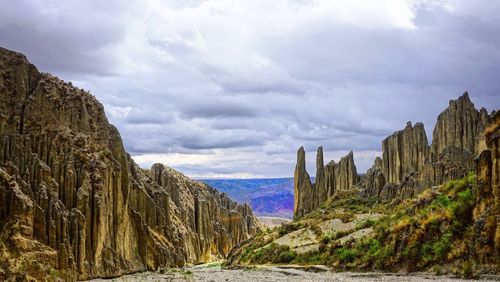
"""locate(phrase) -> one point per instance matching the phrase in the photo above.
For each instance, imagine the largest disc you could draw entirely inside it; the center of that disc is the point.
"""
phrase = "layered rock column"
(303, 189)
(404, 152)
(460, 126)
(330, 179)
(346, 174)
(320, 185)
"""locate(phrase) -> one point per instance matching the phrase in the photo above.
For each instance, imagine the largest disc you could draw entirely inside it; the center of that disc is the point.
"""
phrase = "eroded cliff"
(73, 203)
(408, 164)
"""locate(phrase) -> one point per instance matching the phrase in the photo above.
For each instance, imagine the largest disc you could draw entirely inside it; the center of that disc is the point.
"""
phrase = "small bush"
(326, 239)
(345, 255)
(286, 256)
(364, 224)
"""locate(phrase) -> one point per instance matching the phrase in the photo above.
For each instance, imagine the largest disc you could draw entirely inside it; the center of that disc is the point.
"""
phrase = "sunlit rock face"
(74, 202)
(408, 164)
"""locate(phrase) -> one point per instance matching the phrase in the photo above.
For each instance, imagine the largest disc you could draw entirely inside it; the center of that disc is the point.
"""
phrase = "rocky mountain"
(401, 215)
(74, 205)
(408, 163)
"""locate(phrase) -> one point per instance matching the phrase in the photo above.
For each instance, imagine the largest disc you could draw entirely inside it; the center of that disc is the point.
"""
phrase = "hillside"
(74, 205)
(419, 208)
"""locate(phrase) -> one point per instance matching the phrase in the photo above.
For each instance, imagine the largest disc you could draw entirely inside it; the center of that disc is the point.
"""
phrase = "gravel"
(211, 272)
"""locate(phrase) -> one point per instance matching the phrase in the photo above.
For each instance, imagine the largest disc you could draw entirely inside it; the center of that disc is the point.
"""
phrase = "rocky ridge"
(452, 228)
(408, 163)
(74, 205)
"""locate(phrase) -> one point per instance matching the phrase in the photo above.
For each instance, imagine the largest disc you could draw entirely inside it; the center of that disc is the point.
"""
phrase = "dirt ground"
(213, 272)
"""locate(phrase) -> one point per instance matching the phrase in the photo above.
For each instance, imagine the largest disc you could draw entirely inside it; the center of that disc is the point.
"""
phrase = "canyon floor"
(213, 272)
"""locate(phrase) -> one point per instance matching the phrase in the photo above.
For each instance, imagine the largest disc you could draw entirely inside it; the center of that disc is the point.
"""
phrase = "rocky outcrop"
(460, 126)
(320, 187)
(457, 138)
(487, 208)
(404, 152)
(303, 189)
(408, 164)
(346, 175)
(374, 180)
(75, 205)
(330, 179)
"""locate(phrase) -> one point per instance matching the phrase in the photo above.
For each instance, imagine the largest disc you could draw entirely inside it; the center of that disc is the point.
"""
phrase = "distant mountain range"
(267, 197)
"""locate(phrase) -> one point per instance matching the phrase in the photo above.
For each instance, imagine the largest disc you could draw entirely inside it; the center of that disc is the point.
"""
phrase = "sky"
(231, 89)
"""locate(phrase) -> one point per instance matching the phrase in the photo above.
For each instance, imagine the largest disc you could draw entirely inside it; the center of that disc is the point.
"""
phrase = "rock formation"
(404, 152)
(408, 164)
(303, 189)
(320, 185)
(346, 174)
(487, 209)
(332, 178)
(374, 180)
(74, 204)
(457, 138)
(460, 126)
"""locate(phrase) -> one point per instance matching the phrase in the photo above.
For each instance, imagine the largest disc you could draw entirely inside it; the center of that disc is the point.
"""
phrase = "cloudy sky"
(233, 88)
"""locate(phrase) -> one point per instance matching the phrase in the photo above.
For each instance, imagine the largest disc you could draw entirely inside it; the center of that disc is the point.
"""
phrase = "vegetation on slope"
(433, 231)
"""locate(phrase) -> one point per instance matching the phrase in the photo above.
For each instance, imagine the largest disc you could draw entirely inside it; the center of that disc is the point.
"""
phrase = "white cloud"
(232, 88)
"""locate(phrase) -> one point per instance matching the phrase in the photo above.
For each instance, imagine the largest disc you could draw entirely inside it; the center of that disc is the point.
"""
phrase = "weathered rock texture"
(332, 178)
(408, 164)
(404, 152)
(74, 204)
(303, 190)
(487, 210)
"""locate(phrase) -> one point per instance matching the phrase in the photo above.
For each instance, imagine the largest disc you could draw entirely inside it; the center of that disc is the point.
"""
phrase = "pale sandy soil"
(272, 222)
(274, 273)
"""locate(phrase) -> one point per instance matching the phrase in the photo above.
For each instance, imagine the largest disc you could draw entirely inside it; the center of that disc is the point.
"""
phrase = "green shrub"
(288, 228)
(326, 239)
(286, 256)
(345, 255)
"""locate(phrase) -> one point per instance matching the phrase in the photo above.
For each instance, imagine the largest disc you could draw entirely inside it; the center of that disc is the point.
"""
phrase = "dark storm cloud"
(221, 89)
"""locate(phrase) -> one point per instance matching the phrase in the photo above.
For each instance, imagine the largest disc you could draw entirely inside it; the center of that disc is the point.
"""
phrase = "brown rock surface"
(492, 137)
(75, 205)
(460, 126)
(320, 185)
(374, 180)
(346, 175)
(487, 209)
(303, 189)
(404, 152)
(330, 179)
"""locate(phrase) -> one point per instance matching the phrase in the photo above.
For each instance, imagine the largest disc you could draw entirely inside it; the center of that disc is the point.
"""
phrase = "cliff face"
(460, 126)
(73, 202)
(487, 209)
(404, 152)
(408, 164)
